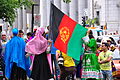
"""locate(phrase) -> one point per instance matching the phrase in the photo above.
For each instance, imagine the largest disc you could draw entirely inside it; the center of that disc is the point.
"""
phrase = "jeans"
(57, 69)
(107, 74)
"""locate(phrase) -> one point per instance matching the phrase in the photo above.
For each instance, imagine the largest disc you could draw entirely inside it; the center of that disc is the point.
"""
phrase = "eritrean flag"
(66, 33)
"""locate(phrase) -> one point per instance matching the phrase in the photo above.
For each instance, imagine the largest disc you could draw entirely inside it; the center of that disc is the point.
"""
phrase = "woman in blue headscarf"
(16, 64)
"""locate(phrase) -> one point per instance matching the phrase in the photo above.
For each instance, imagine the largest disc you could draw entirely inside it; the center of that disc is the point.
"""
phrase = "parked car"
(97, 32)
(105, 38)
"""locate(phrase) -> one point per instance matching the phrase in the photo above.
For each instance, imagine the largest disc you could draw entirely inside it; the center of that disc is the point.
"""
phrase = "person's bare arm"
(50, 43)
(99, 61)
(107, 60)
(57, 55)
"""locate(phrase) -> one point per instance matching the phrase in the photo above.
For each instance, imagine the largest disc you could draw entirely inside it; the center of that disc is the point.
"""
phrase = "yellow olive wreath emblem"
(64, 34)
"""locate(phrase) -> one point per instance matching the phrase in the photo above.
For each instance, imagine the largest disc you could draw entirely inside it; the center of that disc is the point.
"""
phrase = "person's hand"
(27, 55)
(49, 41)
(88, 32)
(100, 62)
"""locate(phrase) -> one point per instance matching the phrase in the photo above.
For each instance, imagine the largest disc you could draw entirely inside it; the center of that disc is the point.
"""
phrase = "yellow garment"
(99, 48)
(68, 61)
(103, 56)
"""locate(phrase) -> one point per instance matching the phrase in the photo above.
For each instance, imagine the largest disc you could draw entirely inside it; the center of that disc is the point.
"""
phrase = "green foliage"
(92, 21)
(88, 21)
(67, 1)
(26, 3)
(8, 9)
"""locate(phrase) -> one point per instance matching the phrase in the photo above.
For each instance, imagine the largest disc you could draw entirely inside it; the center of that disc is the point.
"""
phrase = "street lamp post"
(93, 9)
(33, 16)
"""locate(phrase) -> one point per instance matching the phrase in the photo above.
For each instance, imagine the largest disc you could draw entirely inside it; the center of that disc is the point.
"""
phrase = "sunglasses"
(3, 35)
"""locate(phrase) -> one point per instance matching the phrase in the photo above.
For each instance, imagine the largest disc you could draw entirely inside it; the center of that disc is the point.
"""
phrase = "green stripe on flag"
(74, 48)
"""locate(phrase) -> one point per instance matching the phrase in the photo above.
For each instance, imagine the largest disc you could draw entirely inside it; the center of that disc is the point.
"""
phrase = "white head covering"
(3, 33)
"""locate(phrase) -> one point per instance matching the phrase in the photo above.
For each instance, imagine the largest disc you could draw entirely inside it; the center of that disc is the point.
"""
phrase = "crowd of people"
(36, 57)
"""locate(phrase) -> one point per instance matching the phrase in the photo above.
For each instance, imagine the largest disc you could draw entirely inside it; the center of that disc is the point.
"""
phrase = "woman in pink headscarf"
(37, 46)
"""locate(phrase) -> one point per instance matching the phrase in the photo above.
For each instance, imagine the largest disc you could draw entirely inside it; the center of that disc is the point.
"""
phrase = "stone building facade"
(107, 11)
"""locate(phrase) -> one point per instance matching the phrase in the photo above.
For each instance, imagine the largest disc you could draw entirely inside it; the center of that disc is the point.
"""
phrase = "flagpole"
(50, 32)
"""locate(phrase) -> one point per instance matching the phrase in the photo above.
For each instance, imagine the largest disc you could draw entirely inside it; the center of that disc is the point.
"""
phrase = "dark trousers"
(54, 61)
(18, 73)
(66, 71)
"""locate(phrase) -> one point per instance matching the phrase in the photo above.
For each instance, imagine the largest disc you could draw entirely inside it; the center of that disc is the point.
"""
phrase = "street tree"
(8, 9)
(67, 1)
(93, 22)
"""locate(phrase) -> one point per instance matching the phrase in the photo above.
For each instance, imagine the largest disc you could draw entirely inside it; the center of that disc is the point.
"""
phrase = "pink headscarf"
(38, 44)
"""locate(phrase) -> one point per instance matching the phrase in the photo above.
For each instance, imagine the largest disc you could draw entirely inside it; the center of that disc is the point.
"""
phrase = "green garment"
(92, 45)
(91, 67)
(90, 61)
